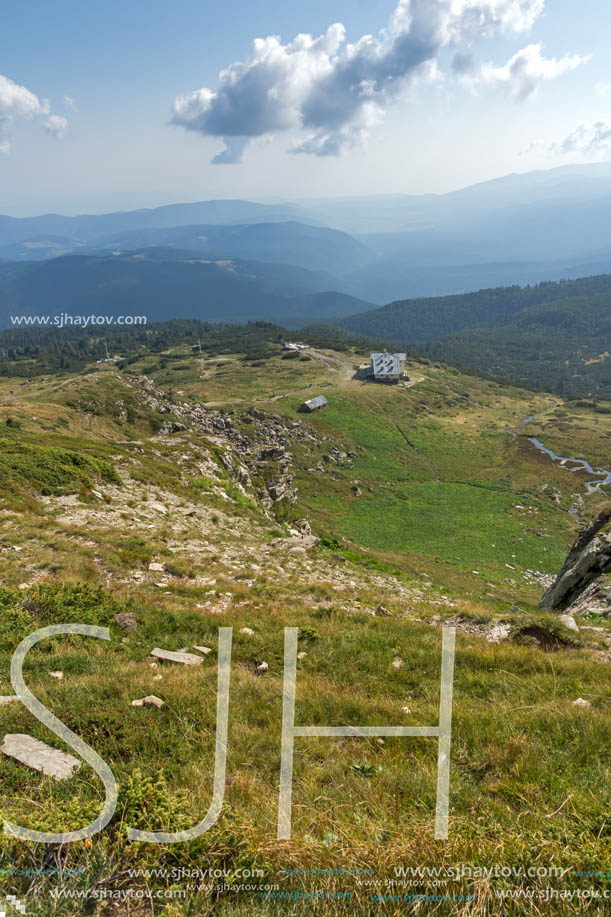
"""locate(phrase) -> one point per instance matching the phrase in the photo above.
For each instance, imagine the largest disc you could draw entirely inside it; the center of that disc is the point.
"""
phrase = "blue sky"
(125, 64)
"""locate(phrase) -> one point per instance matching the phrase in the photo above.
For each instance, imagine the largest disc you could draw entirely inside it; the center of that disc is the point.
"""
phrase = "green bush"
(52, 471)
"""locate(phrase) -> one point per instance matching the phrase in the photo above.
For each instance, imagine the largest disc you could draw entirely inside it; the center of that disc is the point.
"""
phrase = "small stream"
(576, 464)
(592, 487)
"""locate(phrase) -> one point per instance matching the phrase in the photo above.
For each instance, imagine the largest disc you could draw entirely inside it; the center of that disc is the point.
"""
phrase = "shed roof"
(318, 402)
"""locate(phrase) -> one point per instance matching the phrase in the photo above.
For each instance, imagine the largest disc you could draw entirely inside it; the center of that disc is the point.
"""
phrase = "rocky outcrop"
(588, 559)
(259, 458)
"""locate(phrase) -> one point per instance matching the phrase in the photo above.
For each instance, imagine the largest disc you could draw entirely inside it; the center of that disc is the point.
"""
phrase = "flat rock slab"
(40, 757)
(169, 656)
(149, 701)
(306, 542)
(202, 649)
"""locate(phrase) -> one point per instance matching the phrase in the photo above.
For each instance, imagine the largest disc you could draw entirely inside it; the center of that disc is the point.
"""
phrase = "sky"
(120, 105)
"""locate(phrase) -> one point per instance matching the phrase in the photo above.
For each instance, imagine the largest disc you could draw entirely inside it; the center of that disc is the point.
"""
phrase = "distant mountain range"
(91, 226)
(173, 260)
(160, 283)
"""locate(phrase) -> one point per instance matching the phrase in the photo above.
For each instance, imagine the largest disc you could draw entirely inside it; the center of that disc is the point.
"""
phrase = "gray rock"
(156, 567)
(182, 658)
(38, 756)
(202, 649)
(588, 559)
(497, 632)
(569, 622)
(158, 507)
(305, 541)
(580, 702)
(126, 620)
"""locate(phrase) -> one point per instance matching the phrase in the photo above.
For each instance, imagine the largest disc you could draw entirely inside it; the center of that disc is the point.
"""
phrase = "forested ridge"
(554, 336)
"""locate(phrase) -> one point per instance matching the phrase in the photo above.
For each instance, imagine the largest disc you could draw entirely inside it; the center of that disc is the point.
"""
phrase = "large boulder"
(589, 558)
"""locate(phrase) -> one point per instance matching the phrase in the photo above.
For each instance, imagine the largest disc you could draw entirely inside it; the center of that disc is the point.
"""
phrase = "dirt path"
(338, 363)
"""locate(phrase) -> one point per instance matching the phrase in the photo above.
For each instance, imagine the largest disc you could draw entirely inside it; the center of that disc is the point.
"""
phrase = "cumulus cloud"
(19, 102)
(70, 103)
(589, 138)
(335, 91)
(57, 126)
(521, 76)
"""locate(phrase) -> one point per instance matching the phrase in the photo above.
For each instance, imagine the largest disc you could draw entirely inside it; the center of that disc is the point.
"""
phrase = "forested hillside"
(559, 346)
(554, 336)
(440, 316)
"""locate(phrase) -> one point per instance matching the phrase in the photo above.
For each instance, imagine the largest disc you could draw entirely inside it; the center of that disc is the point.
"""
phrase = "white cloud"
(19, 102)
(70, 103)
(336, 91)
(521, 76)
(57, 126)
(589, 138)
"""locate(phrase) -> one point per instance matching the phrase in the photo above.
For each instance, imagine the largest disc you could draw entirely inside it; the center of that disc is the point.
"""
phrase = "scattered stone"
(202, 649)
(149, 701)
(382, 612)
(23, 586)
(38, 756)
(247, 630)
(497, 632)
(8, 698)
(157, 677)
(156, 567)
(397, 663)
(304, 541)
(158, 507)
(569, 622)
(262, 668)
(59, 675)
(183, 658)
(301, 656)
(126, 620)
(581, 702)
(406, 709)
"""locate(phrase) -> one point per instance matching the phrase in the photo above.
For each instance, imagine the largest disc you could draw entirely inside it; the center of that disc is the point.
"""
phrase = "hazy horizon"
(118, 201)
(336, 99)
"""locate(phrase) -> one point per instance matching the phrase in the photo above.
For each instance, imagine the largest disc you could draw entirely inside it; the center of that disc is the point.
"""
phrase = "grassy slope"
(529, 771)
